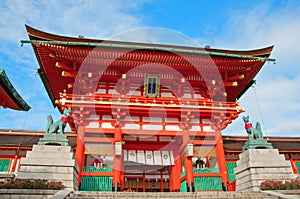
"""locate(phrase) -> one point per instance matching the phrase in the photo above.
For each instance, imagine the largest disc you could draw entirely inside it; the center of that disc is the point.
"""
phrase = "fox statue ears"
(67, 111)
(67, 108)
(246, 118)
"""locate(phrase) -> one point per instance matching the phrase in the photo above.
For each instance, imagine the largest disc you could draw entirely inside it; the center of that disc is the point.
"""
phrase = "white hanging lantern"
(118, 148)
(189, 150)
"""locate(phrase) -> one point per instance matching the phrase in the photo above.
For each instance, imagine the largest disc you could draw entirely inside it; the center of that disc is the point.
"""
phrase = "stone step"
(50, 148)
(53, 163)
(48, 162)
(46, 169)
(170, 195)
(49, 155)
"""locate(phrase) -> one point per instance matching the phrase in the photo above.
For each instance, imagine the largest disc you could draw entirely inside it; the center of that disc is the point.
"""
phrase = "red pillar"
(13, 169)
(117, 173)
(118, 162)
(189, 172)
(122, 175)
(222, 160)
(79, 154)
(207, 161)
(171, 179)
(188, 163)
(178, 170)
(144, 182)
(294, 167)
(161, 182)
(175, 175)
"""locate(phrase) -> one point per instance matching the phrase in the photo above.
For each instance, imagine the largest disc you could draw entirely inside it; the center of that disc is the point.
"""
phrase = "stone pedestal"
(52, 163)
(257, 144)
(257, 165)
(54, 139)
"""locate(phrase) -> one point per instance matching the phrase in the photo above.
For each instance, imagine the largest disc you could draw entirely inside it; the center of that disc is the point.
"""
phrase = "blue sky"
(275, 100)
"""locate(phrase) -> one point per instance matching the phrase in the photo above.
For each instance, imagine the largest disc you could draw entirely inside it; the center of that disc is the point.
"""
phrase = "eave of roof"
(14, 100)
(38, 38)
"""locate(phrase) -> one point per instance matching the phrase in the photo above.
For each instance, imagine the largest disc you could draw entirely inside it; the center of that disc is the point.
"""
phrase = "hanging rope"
(259, 108)
(25, 121)
(26, 117)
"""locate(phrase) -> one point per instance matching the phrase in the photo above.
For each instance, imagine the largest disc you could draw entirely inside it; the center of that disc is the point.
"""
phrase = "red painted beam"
(149, 132)
(152, 146)
(98, 140)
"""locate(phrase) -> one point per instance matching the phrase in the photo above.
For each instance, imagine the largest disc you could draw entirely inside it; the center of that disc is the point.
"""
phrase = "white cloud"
(91, 18)
(275, 104)
(155, 35)
(277, 85)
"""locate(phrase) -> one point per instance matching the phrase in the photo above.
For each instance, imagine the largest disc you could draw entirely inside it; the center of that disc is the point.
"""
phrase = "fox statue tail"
(258, 126)
(49, 123)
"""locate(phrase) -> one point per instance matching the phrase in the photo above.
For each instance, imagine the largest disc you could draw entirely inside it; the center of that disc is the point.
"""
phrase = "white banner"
(166, 158)
(132, 155)
(149, 157)
(141, 157)
(125, 153)
(172, 157)
(157, 158)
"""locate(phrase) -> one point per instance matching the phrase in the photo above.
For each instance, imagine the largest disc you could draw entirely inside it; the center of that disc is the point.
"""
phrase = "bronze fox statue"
(254, 133)
(59, 124)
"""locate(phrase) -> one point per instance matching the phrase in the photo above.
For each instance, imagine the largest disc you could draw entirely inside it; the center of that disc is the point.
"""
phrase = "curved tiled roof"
(10, 98)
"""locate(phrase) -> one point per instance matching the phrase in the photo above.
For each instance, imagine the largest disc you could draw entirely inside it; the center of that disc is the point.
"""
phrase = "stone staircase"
(170, 195)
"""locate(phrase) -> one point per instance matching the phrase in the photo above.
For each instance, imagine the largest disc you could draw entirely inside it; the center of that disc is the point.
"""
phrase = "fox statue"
(60, 124)
(254, 133)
